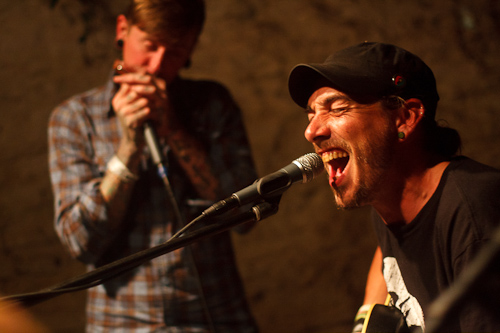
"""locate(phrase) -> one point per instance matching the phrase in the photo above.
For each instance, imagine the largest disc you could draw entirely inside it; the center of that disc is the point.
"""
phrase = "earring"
(401, 135)
(119, 43)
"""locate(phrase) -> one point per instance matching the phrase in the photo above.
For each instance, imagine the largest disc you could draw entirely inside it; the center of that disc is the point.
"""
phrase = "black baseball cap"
(367, 71)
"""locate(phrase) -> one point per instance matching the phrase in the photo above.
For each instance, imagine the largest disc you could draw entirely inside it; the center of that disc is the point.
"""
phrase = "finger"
(131, 96)
(123, 90)
(134, 120)
(119, 98)
(134, 106)
(144, 89)
(157, 98)
(139, 118)
(160, 83)
(133, 78)
(129, 100)
(161, 87)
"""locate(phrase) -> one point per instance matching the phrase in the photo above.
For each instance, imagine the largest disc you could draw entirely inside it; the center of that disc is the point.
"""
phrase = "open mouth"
(337, 161)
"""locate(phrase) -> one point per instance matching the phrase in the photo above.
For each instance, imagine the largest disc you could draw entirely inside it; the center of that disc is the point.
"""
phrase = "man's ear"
(121, 27)
(409, 116)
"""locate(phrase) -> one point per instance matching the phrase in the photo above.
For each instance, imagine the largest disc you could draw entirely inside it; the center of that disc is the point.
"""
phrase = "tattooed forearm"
(194, 160)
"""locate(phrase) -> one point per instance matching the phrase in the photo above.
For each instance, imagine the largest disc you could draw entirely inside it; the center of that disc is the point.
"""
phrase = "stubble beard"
(376, 159)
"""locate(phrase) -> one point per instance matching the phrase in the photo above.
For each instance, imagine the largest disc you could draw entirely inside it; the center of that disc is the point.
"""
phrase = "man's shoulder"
(467, 170)
(93, 100)
(472, 187)
(92, 96)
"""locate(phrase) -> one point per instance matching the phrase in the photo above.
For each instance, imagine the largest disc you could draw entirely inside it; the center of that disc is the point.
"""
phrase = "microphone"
(303, 169)
(160, 161)
(153, 143)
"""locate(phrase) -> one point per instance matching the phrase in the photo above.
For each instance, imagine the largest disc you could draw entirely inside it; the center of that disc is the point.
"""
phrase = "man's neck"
(401, 203)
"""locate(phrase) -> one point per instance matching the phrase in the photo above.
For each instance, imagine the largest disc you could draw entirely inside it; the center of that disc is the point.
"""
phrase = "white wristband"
(120, 169)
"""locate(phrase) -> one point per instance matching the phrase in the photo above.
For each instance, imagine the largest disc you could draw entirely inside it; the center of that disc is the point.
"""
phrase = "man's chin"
(346, 202)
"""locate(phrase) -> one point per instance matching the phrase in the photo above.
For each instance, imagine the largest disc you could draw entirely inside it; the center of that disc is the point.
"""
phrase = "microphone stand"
(104, 273)
(160, 161)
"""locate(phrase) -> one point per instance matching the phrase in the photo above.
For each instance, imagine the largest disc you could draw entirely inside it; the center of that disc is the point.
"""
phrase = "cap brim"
(303, 81)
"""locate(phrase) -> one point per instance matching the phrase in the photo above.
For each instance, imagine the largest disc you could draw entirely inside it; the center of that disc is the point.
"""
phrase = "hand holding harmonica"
(140, 97)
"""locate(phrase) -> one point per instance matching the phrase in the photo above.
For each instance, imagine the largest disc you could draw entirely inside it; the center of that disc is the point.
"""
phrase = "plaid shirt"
(162, 295)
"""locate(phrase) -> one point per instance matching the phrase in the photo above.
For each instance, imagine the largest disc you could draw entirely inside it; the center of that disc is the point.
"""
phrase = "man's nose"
(317, 130)
(156, 61)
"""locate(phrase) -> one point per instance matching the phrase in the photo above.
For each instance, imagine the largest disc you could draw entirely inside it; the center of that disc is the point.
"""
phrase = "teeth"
(333, 155)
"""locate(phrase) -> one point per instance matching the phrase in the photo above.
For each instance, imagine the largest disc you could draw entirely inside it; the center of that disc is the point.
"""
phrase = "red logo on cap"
(399, 81)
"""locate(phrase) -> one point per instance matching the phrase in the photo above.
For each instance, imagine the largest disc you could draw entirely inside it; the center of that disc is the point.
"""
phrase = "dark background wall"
(305, 267)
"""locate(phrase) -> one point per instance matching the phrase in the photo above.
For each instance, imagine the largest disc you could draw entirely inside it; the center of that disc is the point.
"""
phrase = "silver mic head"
(311, 165)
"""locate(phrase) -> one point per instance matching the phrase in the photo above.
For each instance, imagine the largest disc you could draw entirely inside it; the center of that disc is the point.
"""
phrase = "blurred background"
(304, 268)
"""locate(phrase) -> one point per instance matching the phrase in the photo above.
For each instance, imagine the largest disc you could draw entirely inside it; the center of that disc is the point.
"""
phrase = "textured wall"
(304, 268)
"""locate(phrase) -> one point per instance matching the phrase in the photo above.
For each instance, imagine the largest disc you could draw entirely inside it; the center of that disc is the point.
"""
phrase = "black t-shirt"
(423, 258)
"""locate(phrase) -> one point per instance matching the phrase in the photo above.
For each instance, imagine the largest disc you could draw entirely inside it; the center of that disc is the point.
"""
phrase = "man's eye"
(339, 109)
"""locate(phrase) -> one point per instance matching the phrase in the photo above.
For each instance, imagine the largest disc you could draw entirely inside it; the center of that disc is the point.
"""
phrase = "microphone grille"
(311, 165)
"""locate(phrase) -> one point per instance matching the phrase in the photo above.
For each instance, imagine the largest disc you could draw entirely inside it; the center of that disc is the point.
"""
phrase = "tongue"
(339, 172)
(334, 172)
